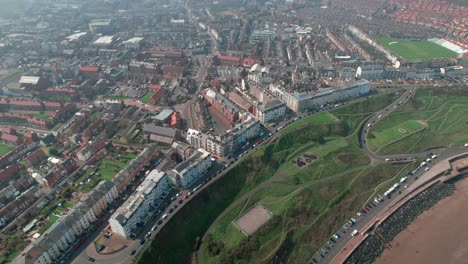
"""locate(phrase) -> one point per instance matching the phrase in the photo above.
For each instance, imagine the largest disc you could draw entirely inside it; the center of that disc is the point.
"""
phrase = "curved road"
(124, 256)
(366, 126)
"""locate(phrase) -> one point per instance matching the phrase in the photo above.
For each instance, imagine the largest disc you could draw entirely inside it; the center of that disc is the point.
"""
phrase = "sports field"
(444, 110)
(378, 139)
(415, 49)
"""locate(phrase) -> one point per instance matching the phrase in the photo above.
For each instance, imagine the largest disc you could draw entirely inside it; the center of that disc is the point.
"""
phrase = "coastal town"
(116, 114)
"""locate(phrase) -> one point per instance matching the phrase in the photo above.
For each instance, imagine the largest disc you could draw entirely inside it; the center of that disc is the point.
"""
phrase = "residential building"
(138, 207)
(191, 169)
(259, 74)
(270, 111)
(159, 134)
(227, 143)
(300, 102)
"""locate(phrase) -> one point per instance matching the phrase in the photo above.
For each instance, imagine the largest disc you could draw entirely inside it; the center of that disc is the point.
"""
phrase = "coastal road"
(325, 255)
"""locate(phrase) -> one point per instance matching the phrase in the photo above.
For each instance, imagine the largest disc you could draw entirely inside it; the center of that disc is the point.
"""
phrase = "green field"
(106, 169)
(445, 112)
(320, 118)
(4, 149)
(415, 49)
(378, 139)
(308, 204)
(145, 99)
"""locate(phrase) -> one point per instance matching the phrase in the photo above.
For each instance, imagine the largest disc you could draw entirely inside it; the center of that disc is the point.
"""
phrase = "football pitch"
(415, 49)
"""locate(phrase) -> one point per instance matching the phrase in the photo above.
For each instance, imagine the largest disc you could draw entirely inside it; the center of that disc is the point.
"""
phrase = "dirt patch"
(304, 160)
(253, 219)
(439, 235)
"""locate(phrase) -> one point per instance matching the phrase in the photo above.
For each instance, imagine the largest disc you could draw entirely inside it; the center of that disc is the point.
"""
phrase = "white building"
(133, 43)
(227, 143)
(270, 111)
(259, 74)
(138, 207)
(54, 244)
(300, 102)
(191, 169)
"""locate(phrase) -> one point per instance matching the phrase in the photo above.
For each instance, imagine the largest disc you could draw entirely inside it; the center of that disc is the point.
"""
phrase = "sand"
(439, 235)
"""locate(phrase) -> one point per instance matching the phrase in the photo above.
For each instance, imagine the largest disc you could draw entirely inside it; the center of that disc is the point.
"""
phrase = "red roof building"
(89, 71)
(9, 130)
(11, 139)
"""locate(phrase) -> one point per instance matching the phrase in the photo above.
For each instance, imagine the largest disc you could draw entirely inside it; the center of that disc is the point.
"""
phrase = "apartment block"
(300, 102)
(191, 169)
(138, 207)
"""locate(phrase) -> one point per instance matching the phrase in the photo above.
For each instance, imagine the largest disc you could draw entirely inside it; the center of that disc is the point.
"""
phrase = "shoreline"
(438, 235)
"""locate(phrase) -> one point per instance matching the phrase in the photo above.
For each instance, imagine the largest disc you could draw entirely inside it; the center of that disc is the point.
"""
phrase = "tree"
(54, 152)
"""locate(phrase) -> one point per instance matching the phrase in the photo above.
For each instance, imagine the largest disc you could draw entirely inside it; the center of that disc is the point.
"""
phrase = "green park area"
(308, 204)
(415, 49)
(444, 110)
(320, 118)
(378, 139)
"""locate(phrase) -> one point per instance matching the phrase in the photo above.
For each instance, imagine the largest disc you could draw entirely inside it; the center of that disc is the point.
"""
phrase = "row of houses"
(60, 239)
(29, 105)
(69, 231)
(303, 101)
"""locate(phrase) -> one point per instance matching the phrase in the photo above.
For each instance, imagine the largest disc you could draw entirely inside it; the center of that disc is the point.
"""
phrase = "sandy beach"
(439, 235)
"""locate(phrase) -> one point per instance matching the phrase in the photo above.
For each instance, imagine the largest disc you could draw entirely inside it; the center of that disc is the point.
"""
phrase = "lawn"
(40, 115)
(4, 149)
(415, 49)
(443, 109)
(145, 99)
(319, 118)
(378, 139)
(308, 205)
(57, 126)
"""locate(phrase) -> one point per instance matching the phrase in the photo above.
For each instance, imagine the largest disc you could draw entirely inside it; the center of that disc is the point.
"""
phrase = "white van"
(355, 232)
(164, 216)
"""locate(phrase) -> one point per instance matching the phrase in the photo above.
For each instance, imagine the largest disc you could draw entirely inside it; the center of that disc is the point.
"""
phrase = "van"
(433, 156)
(164, 216)
(355, 232)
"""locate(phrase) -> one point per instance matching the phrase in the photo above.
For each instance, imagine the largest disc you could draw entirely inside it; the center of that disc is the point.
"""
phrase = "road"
(326, 255)
(217, 172)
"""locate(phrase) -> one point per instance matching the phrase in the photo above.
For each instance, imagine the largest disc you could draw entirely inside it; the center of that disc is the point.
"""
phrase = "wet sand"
(439, 235)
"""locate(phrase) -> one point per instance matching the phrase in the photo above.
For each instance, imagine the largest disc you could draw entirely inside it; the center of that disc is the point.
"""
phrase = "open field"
(4, 149)
(379, 139)
(320, 118)
(145, 99)
(307, 204)
(415, 49)
(442, 109)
